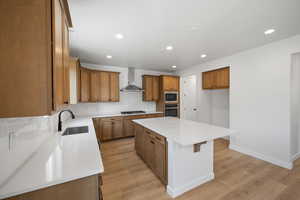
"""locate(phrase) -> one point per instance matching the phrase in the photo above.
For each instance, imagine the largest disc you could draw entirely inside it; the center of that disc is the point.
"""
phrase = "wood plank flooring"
(238, 177)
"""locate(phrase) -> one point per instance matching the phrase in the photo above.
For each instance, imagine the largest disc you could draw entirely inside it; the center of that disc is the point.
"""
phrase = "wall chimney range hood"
(131, 87)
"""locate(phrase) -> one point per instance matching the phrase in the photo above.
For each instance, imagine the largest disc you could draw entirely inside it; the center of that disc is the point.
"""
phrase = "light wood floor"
(238, 177)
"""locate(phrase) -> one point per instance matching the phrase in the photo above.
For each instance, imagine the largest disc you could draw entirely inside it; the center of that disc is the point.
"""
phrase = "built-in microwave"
(171, 97)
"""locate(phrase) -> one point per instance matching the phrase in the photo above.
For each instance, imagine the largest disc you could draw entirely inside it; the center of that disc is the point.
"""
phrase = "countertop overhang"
(184, 132)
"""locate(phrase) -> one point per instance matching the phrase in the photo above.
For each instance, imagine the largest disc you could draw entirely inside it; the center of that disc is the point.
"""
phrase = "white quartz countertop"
(184, 132)
(119, 114)
(48, 159)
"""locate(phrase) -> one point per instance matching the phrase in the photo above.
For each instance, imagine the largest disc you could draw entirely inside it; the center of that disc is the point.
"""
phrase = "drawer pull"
(158, 138)
(152, 142)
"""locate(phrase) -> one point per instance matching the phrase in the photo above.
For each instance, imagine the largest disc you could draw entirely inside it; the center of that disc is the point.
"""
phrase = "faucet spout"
(59, 118)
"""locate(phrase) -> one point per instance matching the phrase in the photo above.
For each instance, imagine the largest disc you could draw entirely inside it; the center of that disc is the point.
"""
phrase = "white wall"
(128, 101)
(259, 99)
(295, 106)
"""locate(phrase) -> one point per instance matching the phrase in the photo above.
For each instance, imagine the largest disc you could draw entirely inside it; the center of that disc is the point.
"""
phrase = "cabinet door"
(106, 127)
(128, 128)
(117, 129)
(58, 64)
(155, 85)
(170, 83)
(96, 122)
(222, 78)
(160, 161)
(148, 88)
(104, 86)
(149, 149)
(139, 140)
(95, 86)
(78, 82)
(85, 85)
(66, 59)
(208, 79)
(114, 87)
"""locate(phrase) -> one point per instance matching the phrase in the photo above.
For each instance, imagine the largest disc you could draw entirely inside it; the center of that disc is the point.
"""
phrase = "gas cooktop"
(132, 112)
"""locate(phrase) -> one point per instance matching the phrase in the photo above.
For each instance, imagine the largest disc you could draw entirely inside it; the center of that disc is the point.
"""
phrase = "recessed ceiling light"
(269, 31)
(169, 48)
(109, 57)
(203, 56)
(119, 36)
(174, 67)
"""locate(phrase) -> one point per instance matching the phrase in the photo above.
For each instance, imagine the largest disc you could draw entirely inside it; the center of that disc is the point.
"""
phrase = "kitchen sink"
(76, 130)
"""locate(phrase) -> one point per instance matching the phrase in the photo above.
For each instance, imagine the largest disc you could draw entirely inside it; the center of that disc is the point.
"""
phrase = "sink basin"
(76, 130)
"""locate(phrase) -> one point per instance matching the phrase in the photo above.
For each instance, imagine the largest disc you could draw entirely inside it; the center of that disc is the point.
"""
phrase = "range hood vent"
(131, 87)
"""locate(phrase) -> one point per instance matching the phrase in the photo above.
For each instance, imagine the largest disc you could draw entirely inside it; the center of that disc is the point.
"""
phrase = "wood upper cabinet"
(32, 57)
(85, 84)
(95, 86)
(66, 60)
(208, 80)
(58, 57)
(170, 83)
(74, 80)
(151, 88)
(101, 86)
(222, 78)
(114, 87)
(216, 79)
(105, 86)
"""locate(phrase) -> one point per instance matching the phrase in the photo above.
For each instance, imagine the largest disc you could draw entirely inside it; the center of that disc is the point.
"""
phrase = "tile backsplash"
(24, 125)
(128, 101)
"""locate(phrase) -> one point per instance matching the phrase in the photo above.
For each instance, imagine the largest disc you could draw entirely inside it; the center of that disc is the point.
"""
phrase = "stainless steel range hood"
(131, 87)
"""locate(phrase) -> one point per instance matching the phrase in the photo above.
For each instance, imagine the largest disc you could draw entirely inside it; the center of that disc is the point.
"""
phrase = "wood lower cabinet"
(87, 188)
(139, 140)
(152, 148)
(109, 128)
(216, 79)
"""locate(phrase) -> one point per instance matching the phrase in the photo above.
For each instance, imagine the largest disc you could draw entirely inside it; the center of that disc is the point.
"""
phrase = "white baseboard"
(175, 192)
(296, 156)
(287, 165)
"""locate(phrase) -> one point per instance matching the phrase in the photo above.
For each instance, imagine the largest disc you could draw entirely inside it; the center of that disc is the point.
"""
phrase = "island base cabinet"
(152, 148)
(86, 188)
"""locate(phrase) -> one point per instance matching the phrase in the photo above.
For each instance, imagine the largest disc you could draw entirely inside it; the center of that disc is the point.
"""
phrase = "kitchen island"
(180, 152)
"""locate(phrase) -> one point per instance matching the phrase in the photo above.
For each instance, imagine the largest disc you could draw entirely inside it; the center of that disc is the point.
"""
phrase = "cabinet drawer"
(159, 138)
(155, 115)
(149, 133)
(111, 118)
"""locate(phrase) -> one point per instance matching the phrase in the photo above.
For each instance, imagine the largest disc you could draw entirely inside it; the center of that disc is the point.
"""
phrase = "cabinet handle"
(152, 142)
(157, 138)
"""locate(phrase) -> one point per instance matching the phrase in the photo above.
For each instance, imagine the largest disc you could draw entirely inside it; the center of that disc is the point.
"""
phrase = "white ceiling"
(223, 27)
